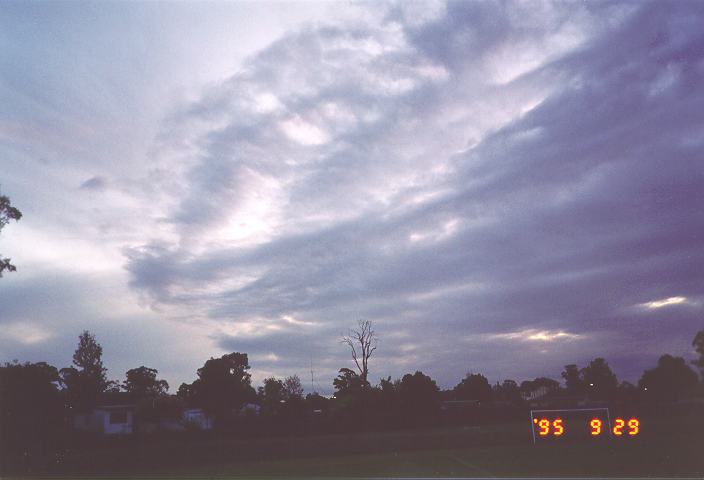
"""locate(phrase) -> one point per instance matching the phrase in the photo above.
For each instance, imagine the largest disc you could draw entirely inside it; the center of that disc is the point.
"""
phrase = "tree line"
(37, 400)
(223, 386)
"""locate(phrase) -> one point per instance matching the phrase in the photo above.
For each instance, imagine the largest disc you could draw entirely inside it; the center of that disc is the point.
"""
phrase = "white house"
(197, 418)
(110, 420)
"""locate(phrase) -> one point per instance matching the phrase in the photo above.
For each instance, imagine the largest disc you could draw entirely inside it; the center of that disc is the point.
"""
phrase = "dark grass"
(677, 455)
(666, 448)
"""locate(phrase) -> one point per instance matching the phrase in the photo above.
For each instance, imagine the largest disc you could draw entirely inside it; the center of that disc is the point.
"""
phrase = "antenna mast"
(312, 390)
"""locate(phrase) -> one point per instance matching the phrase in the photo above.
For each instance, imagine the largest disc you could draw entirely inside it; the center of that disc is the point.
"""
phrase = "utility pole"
(311, 375)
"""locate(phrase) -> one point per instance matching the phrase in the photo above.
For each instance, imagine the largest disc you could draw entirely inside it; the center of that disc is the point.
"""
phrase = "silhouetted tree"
(317, 403)
(598, 379)
(362, 343)
(698, 344)
(7, 213)
(418, 397)
(473, 387)
(354, 405)
(526, 386)
(31, 411)
(507, 391)
(85, 383)
(163, 407)
(187, 393)
(627, 392)
(573, 381)
(149, 394)
(388, 404)
(294, 407)
(671, 380)
(348, 383)
(548, 383)
(541, 385)
(142, 383)
(271, 396)
(223, 385)
(509, 385)
(293, 388)
(388, 385)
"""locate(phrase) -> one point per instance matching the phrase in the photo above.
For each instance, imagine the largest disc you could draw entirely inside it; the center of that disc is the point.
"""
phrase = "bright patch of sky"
(665, 302)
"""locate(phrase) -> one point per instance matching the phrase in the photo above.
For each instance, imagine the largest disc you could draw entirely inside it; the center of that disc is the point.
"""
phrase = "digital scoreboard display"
(582, 423)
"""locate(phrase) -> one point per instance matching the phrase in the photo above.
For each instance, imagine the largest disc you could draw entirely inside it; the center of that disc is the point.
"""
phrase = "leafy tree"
(507, 391)
(316, 402)
(546, 384)
(294, 406)
(698, 344)
(223, 385)
(509, 385)
(357, 405)
(150, 396)
(293, 388)
(272, 394)
(348, 383)
(154, 409)
(85, 383)
(76, 389)
(187, 393)
(389, 387)
(600, 381)
(627, 392)
(671, 380)
(473, 387)
(31, 410)
(418, 395)
(142, 383)
(7, 213)
(389, 405)
(354, 401)
(573, 380)
(88, 358)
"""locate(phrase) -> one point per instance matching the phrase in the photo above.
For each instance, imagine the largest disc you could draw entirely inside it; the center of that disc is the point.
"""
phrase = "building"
(536, 393)
(197, 418)
(106, 419)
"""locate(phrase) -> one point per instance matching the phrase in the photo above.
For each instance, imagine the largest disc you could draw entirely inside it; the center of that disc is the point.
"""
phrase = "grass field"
(523, 461)
(680, 456)
(667, 448)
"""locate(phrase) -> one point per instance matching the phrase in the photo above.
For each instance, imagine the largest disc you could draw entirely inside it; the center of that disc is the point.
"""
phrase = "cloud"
(471, 201)
(532, 335)
(495, 186)
(24, 333)
(664, 302)
(96, 183)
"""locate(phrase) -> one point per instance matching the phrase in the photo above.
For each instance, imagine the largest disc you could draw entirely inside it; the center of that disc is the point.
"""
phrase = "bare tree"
(362, 342)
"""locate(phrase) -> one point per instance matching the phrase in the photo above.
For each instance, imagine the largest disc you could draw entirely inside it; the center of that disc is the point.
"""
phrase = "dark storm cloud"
(540, 235)
(96, 183)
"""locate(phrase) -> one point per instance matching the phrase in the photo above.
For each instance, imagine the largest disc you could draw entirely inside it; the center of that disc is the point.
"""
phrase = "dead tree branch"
(362, 343)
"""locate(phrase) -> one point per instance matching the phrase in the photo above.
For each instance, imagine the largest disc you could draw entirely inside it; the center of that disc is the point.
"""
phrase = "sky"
(499, 187)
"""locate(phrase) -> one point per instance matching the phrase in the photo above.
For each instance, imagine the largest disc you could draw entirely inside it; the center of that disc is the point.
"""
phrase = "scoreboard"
(580, 423)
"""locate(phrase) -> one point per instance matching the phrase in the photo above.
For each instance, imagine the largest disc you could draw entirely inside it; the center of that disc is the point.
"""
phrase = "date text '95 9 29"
(581, 423)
